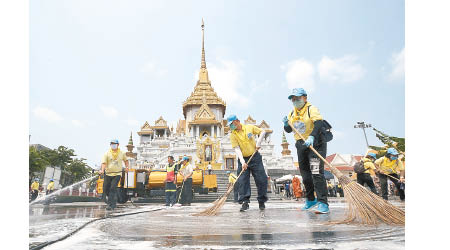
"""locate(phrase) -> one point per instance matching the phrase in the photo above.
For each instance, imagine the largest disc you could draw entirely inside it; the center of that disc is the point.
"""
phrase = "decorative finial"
(130, 141)
(284, 138)
(203, 46)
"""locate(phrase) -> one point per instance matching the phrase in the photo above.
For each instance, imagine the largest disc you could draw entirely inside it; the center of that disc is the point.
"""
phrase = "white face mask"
(299, 103)
(114, 146)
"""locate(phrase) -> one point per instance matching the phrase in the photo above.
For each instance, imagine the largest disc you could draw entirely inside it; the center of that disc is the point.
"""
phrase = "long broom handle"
(337, 172)
(242, 171)
(389, 176)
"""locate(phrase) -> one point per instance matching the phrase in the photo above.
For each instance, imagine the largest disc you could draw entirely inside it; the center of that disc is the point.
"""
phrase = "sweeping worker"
(366, 177)
(170, 182)
(112, 164)
(34, 189)
(232, 180)
(244, 144)
(390, 166)
(308, 121)
(50, 187)
(186, 171)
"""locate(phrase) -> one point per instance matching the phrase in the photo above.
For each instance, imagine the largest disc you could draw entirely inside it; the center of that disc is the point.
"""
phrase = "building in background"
(202, 134)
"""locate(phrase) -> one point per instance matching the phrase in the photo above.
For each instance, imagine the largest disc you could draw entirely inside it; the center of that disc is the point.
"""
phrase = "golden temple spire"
(203, 74)
(203, 46)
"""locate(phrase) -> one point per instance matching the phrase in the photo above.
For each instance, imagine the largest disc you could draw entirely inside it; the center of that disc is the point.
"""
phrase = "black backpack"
(359, 167)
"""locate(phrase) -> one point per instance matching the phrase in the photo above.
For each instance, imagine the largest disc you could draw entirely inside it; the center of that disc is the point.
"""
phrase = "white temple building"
(202, 135)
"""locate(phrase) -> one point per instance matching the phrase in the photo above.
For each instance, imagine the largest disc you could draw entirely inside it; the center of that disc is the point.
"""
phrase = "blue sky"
(100, 69)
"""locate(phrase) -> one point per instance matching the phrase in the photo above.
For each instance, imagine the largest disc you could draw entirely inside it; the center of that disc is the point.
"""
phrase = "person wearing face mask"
(390, 166)
(243, 141)
(308, 121)
(112, 167)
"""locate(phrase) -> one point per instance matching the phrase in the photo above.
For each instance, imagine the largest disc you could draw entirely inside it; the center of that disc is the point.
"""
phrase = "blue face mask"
(299, 103)
(232, 126)
(114, 146)
(393, 158)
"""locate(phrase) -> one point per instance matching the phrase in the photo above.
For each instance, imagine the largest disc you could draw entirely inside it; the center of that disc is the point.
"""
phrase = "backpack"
(359, 167)
(325, 131)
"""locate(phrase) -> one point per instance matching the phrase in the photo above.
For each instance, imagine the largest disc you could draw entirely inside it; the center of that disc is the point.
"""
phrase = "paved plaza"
(282, 226)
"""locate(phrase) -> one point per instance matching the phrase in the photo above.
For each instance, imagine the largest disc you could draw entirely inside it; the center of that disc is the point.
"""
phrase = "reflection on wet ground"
(284, 226)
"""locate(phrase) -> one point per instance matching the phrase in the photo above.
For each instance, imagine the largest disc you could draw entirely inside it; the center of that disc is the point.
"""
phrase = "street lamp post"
(363, 126)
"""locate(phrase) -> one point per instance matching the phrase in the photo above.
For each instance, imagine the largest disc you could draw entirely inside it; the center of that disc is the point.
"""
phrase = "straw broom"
(364, 206)
(218, 204)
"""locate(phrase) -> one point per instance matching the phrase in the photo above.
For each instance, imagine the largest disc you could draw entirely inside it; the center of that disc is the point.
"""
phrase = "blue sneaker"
(322, 208)
(309, 204)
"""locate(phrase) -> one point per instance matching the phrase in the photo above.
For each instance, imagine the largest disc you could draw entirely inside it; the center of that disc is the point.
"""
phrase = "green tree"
(61, 157)
(390, 142)
(37, 162)
(78, 169)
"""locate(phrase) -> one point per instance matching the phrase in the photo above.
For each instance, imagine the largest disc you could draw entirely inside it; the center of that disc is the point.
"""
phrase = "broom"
(218, 204)
(364, 206)
(181, 191)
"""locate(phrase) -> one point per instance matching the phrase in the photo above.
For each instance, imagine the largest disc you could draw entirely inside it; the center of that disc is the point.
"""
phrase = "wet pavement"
(283, 226)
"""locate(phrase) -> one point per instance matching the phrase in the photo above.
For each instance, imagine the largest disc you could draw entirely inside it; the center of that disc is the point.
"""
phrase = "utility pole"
(363, 126)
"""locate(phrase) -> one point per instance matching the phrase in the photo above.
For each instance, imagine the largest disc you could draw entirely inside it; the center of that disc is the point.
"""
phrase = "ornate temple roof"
(250, 120)
(145, 129)
(160, 124)
(203, 86)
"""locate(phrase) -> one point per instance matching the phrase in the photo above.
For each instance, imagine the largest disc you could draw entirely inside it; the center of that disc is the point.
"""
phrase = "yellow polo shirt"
(369, 166)
(390, 167)
(51, 186)
(244, 139)
(303, 122)
(114, 166)
(35, 186)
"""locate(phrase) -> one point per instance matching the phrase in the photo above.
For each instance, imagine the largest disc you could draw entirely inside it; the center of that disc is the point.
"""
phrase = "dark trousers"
(331, 192)
(311, 169)
(236, 191)
(288, 193)
(384, 185)
(34, 195)
(171, 193)
(366, 178)
(186, 192)
(110, 189)
(256, 167)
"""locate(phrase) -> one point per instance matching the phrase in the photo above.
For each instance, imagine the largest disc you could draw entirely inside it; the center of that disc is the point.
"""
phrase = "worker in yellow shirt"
(243, 141)
(309, 122)
(232, 180)
(112, 167)
(390, 166)
(50, 187)
(34, 189)
(369, 167)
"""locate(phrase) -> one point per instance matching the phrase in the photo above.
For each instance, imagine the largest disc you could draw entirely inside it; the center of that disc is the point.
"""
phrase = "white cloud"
(78, 123)
(226, 79)
(397, 62)
(132, 122)
(300, 74)
(109, 111)
(340, 70)
(47, 114)
(152, 68)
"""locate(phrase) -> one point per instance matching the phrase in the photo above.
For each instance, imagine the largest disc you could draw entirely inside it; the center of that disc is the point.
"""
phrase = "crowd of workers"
(311, 132)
